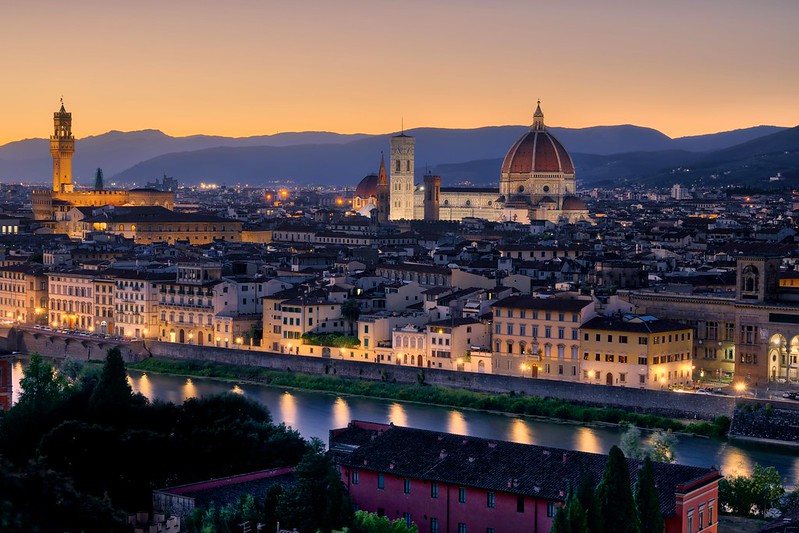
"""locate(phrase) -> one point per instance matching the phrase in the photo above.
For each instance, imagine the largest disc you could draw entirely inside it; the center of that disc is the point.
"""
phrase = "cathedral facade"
(536, 182)
(53, 205)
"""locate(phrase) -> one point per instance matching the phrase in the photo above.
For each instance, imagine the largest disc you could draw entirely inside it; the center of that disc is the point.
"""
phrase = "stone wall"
(659, 402)
(57, 345)
(772, 422)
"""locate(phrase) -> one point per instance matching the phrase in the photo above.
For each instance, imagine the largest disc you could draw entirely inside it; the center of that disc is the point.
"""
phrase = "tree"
(42, 387)
(351, 312)
(371, 523)
(571, 518)
(647, 502)
(614, 499)
(663, 444)
(585, 494)
(317, 501)
(112, 393)
(631, 443)
(767, 488)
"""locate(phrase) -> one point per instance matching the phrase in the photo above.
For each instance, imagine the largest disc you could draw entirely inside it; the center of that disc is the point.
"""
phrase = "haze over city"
(244, 68)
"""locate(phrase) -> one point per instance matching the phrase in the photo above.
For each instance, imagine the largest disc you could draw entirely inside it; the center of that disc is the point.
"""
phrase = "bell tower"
(62, 147)
(383, 194)
(401, 166)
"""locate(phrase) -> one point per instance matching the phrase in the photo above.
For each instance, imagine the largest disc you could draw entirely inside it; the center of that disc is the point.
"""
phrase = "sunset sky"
(249, 67)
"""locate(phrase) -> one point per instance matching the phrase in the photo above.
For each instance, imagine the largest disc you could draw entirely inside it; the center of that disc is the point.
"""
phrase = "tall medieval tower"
(383, 200)
(401, 164)
(62, 147)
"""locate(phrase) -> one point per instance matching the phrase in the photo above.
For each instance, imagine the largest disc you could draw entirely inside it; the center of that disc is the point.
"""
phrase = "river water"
(313, 414)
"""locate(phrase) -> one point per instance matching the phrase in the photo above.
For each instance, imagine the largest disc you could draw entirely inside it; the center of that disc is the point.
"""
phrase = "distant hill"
(600, 153)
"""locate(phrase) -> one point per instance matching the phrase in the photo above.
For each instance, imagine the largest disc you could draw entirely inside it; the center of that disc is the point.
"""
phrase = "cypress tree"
(576, 515)
(585, 494)
(614, 497)
(647, 502)
(112, 393)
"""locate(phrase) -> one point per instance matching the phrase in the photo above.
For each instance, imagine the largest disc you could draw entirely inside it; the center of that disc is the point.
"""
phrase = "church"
(53, 205)
(536, 183)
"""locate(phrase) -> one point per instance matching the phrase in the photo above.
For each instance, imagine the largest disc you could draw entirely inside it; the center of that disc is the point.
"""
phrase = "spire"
(382, 177)
(62, 110)
(538, 118)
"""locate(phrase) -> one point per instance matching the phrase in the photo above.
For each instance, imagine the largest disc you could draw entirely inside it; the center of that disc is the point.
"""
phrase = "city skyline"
(247, 69)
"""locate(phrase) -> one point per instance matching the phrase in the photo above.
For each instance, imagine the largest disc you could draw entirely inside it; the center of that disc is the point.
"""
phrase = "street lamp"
(740, 388)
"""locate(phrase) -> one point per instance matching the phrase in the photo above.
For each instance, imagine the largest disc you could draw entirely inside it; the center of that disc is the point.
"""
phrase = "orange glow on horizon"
(355, 67)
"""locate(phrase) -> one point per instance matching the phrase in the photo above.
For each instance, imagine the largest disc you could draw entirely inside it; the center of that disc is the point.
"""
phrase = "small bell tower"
(62, 147)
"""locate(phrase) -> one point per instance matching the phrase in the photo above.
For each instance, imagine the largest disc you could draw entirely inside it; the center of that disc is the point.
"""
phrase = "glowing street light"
(740, 388)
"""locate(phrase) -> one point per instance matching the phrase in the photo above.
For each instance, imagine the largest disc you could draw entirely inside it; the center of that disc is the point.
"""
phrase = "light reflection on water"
(288, 409)
(457, 423)
(397, 415)
(188, 390)
(586, 440)
(520, 432)
(341, 412)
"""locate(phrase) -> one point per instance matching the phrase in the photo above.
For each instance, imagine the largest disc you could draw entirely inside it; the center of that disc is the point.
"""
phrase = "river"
(313, 414)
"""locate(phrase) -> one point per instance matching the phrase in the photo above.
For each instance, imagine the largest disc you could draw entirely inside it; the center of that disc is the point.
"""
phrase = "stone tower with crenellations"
(401, 166)
(62, 148)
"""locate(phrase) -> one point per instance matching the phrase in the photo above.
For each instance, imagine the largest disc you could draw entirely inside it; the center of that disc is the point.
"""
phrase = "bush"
(337, 340)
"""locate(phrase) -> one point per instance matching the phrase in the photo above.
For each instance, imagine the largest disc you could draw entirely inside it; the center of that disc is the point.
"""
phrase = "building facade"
(463, 484)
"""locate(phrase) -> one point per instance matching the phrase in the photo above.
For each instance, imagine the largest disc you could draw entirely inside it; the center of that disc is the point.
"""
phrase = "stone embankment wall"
(657, 402)
(52, 344)
(766, 422)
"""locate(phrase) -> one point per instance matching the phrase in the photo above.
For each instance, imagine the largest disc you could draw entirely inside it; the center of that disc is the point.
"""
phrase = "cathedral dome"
(537, 151)
(572, 203)
(367, 187)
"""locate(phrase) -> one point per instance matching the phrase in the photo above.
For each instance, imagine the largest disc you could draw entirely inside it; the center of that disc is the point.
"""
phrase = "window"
(407, 487)
(585, 336)
(355, 477)
(550, 509)
(498, 328)
(408, 521)
(490, 500)
(710, 512)
(622, 339)
(461, 527)
(642, 360)
(434, 525)
(701, 518)
(461, 495)
(381, 482)
(510, 329)
(691, 521)
(547, 332)
(434, 490)
(642, 379)
(490, 530)
(522, 330)
(519, 504)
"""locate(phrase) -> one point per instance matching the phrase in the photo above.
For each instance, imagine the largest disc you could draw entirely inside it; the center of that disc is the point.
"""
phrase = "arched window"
(750, 279)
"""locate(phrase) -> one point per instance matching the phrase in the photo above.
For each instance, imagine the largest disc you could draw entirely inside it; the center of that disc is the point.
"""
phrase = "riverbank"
(510, 403)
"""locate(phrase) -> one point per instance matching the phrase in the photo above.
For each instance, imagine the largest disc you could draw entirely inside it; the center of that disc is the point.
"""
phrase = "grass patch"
(510, 402)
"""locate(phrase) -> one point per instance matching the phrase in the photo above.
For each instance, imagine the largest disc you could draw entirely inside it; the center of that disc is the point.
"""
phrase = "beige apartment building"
(636, 351)
(539, 337)
(186, 305)
(71, 295)
(23, 294)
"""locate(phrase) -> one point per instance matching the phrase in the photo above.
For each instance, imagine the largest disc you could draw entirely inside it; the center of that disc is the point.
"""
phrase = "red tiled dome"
(572, 203)
(367, 187)
(537, 151)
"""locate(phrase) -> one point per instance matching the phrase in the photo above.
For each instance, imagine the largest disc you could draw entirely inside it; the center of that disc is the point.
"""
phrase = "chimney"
(565, 457)
(443, 454)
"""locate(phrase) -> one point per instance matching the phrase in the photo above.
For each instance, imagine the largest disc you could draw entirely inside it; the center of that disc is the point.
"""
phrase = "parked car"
(789, 395)
(703, 391)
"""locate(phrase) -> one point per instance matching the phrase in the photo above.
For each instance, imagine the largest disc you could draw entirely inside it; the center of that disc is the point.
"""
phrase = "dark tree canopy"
(647, 501)
(614, 498)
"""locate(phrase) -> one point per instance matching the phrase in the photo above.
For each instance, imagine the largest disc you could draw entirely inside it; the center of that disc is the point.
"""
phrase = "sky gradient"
(250, 67)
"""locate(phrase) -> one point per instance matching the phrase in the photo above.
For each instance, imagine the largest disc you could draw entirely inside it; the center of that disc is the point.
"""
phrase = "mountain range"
(602, 154)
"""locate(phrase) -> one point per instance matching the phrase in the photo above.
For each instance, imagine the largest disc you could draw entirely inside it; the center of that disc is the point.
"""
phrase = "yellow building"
(636, 351)
(146, 225)
(23, 294)
(539, 337)
(56, 203)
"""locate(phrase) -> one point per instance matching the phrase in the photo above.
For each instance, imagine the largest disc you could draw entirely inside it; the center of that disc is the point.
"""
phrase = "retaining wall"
(657, 402)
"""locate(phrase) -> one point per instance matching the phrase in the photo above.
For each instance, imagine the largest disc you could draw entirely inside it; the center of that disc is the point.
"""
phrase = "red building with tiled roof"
(446, 483)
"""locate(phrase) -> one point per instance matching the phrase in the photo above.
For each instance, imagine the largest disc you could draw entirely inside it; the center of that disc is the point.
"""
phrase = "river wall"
(766, 422)
(657, 402)
(53, 344)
